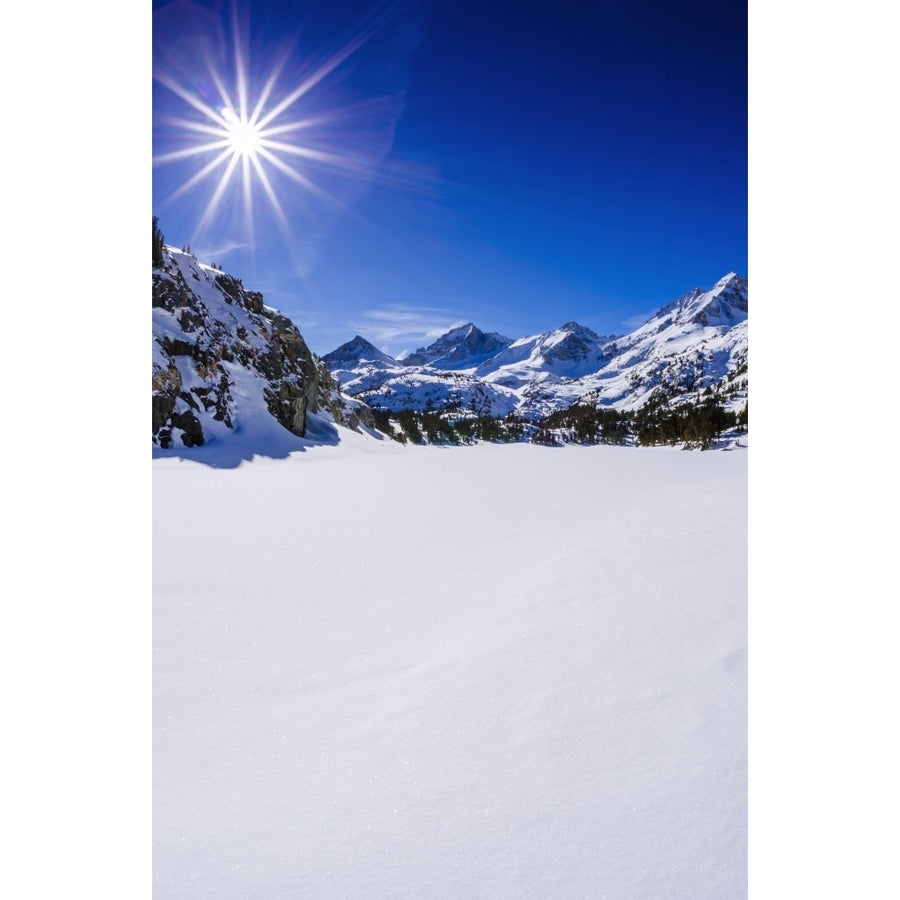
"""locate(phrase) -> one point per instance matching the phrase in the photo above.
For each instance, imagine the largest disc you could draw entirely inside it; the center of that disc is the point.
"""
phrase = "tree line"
(699, 423)
(447, 426)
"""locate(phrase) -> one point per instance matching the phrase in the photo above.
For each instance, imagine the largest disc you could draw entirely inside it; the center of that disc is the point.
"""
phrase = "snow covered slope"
(509, 672)
(691, 344)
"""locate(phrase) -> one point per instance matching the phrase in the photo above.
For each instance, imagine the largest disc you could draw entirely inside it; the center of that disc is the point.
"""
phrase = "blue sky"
(516, 165)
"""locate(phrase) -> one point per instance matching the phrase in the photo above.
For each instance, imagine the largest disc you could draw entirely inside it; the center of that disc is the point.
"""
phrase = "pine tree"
(158, 245)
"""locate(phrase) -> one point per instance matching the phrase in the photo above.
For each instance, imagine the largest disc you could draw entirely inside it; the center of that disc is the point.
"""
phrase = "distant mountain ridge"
(689, 345)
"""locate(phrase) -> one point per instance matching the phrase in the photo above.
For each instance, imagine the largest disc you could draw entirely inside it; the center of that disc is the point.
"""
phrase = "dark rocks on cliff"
(204, 334)
(288, 403)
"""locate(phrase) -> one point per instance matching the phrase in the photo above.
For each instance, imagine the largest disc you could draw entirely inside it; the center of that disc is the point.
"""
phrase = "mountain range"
(226, 364)
(694, 344)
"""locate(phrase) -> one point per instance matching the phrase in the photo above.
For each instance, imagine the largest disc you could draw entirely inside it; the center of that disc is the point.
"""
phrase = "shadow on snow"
(245, 444)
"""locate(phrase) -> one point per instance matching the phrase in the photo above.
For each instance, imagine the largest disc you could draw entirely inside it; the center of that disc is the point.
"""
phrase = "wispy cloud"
(406, 327)
(634, 322)
(218, 251)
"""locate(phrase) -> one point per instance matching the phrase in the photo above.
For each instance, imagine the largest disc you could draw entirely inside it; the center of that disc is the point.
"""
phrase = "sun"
(244, 136)
(273, 140)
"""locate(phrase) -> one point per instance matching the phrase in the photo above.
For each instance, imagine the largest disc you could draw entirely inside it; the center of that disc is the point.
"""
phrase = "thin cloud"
(393, 326)
(220, 250)
(634, 322)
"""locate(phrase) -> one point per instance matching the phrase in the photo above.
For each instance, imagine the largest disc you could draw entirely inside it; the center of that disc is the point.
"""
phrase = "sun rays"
(245, 138)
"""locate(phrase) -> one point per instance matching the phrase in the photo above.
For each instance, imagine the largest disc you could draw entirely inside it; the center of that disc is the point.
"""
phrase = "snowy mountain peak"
(732, 279)
(571, 344)
(461, 331)
(462, 347)
(581, 331)
(725, 304)
(357, 351)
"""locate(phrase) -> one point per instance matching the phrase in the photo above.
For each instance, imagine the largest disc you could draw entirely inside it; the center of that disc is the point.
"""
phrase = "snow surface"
(500, 671)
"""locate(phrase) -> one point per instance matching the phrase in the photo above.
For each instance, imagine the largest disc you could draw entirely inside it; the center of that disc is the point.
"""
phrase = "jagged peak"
(463, 330)
(732, 279)
(359, 341)
(578, 329)
(359, 348)
(691, 303)
(460, 346)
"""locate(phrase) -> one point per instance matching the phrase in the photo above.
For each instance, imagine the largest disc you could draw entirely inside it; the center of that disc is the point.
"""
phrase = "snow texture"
(502, 671)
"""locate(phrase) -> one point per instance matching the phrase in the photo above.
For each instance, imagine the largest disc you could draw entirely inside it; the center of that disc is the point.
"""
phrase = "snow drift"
(505, 671)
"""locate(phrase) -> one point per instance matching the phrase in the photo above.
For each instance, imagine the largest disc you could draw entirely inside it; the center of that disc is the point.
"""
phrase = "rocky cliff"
(219, 354)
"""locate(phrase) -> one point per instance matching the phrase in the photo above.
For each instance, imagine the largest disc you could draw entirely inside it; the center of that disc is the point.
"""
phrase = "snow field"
(495, 671)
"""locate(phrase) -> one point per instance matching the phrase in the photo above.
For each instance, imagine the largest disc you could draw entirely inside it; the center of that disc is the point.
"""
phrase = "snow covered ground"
(483, 672)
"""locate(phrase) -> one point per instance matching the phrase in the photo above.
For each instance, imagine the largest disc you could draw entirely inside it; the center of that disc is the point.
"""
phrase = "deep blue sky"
(518, 165)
